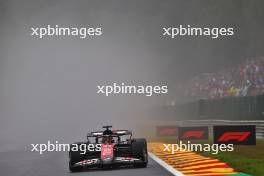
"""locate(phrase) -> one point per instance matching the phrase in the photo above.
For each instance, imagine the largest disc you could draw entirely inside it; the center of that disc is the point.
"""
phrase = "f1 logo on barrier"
(166, 131)
(238, 135)
(192, 133)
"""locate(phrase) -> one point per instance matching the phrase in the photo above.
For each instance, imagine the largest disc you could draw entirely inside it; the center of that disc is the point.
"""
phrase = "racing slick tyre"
(139, 150)
(75, 157)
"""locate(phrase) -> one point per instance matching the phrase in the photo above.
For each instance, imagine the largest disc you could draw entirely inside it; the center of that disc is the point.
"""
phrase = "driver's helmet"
(107, 139)
(107, 136)
(107, 132)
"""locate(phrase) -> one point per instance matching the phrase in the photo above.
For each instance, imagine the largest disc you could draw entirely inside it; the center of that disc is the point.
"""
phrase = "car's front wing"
(116, 160)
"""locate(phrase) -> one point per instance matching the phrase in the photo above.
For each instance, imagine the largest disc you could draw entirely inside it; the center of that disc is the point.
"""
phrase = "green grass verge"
(247, 159)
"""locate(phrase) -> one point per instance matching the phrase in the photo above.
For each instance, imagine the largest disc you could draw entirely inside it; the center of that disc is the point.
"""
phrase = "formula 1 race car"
(107, 149)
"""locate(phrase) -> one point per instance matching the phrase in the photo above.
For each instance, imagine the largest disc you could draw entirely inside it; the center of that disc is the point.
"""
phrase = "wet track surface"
(49, 164)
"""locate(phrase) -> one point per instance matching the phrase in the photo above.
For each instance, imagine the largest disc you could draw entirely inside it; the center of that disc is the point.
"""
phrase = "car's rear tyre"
(139, 150)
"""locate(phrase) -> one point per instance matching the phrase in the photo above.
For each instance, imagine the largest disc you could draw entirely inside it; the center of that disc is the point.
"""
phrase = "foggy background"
(48, 86)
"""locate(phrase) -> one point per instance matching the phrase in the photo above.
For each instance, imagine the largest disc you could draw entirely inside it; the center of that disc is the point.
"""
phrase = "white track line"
(165, 165)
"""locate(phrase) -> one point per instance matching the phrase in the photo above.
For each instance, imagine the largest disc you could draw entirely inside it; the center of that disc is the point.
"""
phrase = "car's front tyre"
(73, 168)
(139, 150)
(75, 157)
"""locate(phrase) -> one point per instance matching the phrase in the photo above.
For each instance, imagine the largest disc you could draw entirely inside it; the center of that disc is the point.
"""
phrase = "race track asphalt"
(56, 164)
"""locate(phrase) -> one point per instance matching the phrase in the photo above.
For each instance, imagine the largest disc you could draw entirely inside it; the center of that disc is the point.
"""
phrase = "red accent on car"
(107, 151)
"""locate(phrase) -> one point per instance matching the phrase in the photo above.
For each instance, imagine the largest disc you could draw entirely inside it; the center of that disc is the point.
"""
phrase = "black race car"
(108, 148)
